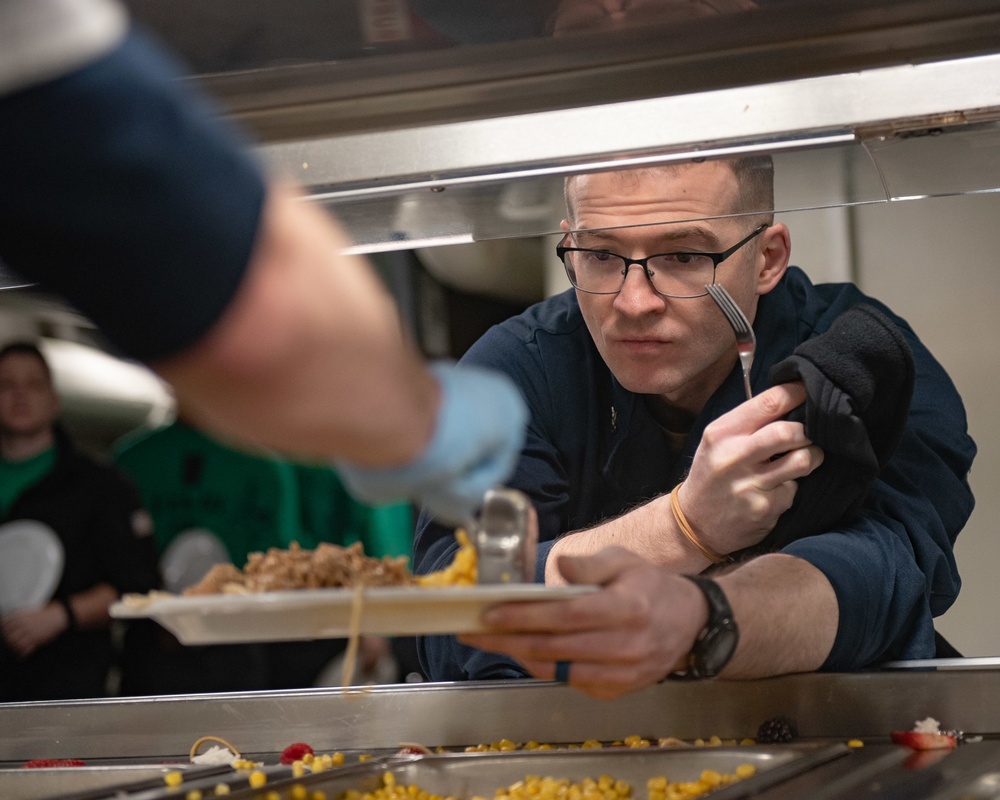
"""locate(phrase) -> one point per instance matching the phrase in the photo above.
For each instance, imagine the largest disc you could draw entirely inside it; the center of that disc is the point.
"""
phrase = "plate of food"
(331, 613)
(331, 592)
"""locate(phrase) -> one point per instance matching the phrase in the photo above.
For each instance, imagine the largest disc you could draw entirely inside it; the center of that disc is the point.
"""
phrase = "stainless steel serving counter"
(827, 710)
(865, 705)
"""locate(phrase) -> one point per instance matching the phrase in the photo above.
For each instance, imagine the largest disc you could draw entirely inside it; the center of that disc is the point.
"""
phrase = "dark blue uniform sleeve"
(444, 658)
(893, 570)
(124, 193)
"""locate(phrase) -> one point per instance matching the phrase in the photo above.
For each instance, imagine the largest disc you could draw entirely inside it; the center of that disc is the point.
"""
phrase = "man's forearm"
(310, 357)
(648, 531)
(787, 614)
(90, 607)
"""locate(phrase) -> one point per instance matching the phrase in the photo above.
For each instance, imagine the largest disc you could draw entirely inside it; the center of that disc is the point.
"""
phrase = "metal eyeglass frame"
(717, 258)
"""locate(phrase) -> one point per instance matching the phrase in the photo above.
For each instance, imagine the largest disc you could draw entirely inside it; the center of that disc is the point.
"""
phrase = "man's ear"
(775, 248)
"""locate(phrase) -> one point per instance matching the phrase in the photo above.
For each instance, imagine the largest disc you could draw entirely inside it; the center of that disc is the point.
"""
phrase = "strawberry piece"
(295, 752)
(924, 741)
(413, 750)
(35, 763)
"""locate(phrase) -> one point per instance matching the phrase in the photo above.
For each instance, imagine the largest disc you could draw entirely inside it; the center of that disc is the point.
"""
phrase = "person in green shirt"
(328, 513)
(189, 480)
(58, 644)
(252, 502)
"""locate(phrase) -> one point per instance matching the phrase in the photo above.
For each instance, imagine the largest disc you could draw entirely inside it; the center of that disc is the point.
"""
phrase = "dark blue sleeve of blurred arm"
(123, 192)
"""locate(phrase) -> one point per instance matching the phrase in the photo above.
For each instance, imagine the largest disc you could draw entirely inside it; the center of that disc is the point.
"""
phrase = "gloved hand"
(476, 443)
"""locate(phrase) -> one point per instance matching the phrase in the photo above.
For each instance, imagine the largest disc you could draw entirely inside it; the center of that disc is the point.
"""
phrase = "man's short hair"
(754, 174)
(25, 348)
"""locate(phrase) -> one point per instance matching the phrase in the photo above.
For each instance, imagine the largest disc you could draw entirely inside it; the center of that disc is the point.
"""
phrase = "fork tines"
(737, 319)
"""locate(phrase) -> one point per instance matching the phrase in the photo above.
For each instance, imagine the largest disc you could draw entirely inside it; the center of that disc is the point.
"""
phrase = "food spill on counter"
(295, 752)
(40, 763)
(926, 735)
(777, 730)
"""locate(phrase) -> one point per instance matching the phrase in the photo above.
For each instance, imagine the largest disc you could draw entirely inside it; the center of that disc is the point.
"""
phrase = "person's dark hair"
(26, 349)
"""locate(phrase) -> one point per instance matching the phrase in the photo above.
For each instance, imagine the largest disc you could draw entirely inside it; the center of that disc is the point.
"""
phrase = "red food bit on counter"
(413, 750)
(295, 752)
(924, 741)
(52, 762)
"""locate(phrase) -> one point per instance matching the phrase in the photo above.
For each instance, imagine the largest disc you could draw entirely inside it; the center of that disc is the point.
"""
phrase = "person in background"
(189, 480)
(655, 477)
(63, 648)
(153, 220)
(210, 500)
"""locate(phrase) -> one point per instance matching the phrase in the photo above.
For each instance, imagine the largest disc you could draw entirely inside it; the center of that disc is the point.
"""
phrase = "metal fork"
(746, 342)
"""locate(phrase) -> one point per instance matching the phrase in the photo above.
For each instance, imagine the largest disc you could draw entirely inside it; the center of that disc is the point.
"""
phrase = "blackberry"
(776, 730)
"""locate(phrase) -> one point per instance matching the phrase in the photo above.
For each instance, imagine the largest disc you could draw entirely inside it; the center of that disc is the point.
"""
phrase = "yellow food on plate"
(463, 569)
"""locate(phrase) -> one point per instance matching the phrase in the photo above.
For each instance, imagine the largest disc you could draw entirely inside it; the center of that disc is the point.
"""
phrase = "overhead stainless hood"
(433, 121)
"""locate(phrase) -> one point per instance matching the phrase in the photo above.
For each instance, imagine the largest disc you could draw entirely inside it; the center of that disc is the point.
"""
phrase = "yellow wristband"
(688, 531)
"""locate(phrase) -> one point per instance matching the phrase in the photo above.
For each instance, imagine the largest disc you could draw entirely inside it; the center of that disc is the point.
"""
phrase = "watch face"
(715, 650)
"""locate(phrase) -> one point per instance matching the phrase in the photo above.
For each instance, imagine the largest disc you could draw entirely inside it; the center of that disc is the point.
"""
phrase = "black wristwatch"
(717, 642)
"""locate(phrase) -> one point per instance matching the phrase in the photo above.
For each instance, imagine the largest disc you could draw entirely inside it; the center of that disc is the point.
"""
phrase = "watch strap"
(717, 641)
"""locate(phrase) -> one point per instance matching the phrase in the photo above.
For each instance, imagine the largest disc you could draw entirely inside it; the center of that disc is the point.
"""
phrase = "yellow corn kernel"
(748, 741)
(257, 779)
(317, 794)
(591, 744)
(746, 771)
(298, 792)
(855, 743)
(173, 778)
(194, 794)
(221, 789)
(298, 769)
(658, 782)
(272, 795)
(711, 778)
(714, 741)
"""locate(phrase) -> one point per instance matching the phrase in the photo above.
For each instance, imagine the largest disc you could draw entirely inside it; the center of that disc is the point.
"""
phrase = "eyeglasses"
(671, 274)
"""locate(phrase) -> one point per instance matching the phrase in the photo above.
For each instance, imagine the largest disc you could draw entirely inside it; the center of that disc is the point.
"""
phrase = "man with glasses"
(647, 465)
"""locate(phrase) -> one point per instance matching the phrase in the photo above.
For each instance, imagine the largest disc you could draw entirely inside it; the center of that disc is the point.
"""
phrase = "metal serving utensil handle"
(506, 538)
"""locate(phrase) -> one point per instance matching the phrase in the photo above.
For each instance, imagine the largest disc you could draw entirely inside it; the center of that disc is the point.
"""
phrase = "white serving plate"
(326, 613)
(31, 564)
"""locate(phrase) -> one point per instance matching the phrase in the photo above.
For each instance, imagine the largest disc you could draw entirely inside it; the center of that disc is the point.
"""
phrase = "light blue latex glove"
(477, 440)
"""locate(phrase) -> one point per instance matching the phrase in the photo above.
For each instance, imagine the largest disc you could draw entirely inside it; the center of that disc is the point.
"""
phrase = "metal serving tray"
(92, 781)
(467, 775)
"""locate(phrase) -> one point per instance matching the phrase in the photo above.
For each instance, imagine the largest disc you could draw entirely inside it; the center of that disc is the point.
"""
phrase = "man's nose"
(637, 295)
